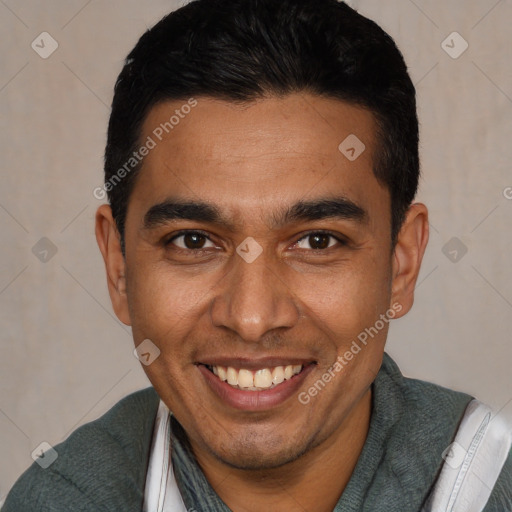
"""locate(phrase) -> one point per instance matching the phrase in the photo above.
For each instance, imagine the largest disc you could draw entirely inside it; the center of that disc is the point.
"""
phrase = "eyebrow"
(329, 208)
(332, 208)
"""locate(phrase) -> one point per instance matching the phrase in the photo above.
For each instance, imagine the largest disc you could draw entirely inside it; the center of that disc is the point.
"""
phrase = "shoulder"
(424, 405)
(501, 496)
(419, 421)
(426, 425)
(101, 466)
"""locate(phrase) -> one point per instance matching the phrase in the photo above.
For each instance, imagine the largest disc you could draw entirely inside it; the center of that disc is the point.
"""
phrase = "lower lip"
(255, 400)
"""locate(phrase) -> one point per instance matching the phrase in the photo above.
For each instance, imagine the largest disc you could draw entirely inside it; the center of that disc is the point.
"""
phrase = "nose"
(253, 299)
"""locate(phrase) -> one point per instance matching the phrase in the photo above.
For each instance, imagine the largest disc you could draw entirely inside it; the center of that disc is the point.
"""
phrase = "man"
(261, 166)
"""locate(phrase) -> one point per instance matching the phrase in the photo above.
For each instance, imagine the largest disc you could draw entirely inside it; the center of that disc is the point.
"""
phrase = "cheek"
(347, 299)
(164, 305)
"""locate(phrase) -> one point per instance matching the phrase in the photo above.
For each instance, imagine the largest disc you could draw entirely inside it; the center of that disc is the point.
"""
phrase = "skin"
(294, 301)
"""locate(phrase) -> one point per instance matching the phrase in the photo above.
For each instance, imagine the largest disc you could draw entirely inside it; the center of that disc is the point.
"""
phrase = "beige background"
(66, 359)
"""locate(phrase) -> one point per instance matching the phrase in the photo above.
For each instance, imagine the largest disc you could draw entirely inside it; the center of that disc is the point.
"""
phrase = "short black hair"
(243, 50)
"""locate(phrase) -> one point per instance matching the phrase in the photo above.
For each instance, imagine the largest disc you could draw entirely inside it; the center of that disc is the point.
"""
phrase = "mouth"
(255, 385)
(255, 380)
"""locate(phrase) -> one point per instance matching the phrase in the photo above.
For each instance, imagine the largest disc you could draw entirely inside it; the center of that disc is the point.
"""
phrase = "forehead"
(260, 155)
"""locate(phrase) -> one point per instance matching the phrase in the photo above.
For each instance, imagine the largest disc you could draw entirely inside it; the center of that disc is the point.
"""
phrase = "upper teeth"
(256, 380)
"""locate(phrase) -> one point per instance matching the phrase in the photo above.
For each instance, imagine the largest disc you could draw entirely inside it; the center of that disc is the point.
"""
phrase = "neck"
(315, 481)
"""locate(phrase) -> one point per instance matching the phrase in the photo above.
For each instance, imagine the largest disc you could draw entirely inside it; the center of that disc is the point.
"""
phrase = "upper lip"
(254, 364)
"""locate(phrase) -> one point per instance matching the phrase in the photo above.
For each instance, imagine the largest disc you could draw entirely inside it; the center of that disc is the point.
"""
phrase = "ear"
(109, 242)
(407, 256)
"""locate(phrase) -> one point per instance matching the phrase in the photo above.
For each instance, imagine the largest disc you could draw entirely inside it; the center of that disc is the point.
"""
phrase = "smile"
(250, 380)
(255, 385)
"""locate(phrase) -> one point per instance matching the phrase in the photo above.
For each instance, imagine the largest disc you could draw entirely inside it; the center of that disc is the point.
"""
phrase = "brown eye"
(192, 241)
(317, 241)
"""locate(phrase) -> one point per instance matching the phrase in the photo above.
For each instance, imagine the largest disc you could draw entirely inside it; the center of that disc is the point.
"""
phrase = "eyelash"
(188, 232)
(339, 239)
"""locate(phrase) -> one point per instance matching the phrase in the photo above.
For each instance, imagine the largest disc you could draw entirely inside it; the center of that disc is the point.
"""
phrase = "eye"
(318, 241)
(191, 240)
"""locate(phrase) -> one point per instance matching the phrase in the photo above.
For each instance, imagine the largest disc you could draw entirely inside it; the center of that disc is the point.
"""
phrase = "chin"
(268, 452)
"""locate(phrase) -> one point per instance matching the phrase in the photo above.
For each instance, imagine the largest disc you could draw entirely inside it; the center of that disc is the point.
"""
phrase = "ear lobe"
(109, 243)
(408, 255)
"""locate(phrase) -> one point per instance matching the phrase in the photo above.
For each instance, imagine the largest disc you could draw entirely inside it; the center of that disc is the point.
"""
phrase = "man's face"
(270, 171)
